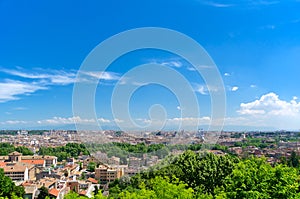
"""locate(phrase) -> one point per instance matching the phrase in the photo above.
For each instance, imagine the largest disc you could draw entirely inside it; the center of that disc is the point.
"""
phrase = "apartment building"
(18, 171)
(106, 174)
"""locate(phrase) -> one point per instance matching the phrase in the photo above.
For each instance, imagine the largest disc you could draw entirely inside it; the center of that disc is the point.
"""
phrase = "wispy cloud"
(57, 121)
(13, 122)
(41, 80)
(191, 68)
(20, 108)
(64, 120)
(245, 3)
(12, 89)
(217, 4)
(51, 77)
(204, 89)
(102, 75)
(262, 2)
(171, 62)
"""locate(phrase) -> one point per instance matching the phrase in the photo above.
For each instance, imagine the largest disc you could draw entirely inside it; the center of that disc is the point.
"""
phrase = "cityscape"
(96, 166)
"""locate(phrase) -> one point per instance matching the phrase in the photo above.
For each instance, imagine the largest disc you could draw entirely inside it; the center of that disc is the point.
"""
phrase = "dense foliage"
(64, 152)
(124, 150)
(6, 148)
(211, 176)
(8, 189)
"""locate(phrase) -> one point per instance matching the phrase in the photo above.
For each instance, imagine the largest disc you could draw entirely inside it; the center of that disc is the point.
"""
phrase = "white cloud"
(217, 4)
(102, 75)
(11, 89)
(63, 120)
(190, 68)
(118, 120)
(253, 86)
(205, 67)
(103, 120)
(205, 89)
(13, 122)
(234, 88)
(178, 108)
(192, 120)
(51, 77)
(20, 108)
(270, 104)
(270, 110)
(172, 62)
(175, 64)
(201, 89)
(226, 74)
(41, 80)
(176, 122)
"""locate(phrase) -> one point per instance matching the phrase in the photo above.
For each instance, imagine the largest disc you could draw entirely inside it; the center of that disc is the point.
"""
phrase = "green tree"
(18, 191)
(99, 195)
(24, 150)
(255, 178)
(43, 193)
(8, 187)
(91, 166)
(74, 195)
(293, 160)
(96, 190)
(160, 187)
(205, 171)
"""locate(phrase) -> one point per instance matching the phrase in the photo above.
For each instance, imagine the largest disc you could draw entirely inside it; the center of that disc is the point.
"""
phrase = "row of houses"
(20, 168)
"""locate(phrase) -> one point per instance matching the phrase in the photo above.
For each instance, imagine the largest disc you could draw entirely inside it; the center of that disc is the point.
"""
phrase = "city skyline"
(254, 44)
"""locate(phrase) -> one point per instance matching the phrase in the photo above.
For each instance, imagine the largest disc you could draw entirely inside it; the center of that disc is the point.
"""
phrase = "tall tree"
(255, 178)
(43, 193)
(8, 187)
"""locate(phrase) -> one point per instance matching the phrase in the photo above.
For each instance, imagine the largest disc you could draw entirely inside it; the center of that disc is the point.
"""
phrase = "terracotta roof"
(27, 183)
(47, 182)
(35, 162)
(2, 164)
(15, 153)
(83, 192)
(38, 157)
(92, 180)
(54, 192)
(15, 168)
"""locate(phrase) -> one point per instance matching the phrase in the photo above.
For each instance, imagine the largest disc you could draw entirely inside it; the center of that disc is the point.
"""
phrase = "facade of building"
(106, 174)
(19, 171)
(22, 168)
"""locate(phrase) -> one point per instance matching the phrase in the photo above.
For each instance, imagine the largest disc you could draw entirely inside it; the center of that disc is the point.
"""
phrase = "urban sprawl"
(113, 154)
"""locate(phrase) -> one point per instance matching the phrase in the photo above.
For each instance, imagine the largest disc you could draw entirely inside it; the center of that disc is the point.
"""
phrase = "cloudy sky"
(254, 44)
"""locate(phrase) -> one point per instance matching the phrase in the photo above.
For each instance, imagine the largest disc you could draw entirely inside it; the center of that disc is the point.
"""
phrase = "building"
(134, 162)
(30, 191)
(106, 174)
(35, 162)
(73, 185)
(49, 160)
(18, 171)
(38, 161)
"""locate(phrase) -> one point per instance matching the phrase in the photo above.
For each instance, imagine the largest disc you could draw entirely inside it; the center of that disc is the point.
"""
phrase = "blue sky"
(255, 45)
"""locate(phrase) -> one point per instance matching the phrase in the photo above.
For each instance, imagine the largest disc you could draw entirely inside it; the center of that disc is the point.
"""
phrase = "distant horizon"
(163, 130)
